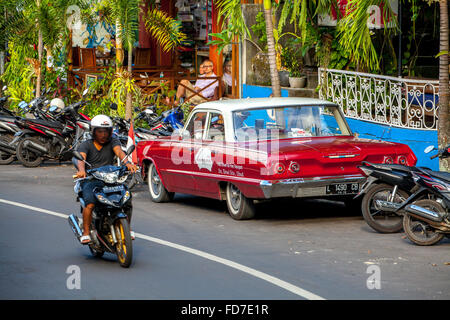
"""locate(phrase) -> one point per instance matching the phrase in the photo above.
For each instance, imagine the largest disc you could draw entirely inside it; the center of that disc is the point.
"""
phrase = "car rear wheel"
(158, 193)
(239, 206)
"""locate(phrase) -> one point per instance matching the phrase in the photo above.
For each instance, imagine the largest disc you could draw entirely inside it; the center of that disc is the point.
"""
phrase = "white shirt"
(208, 92)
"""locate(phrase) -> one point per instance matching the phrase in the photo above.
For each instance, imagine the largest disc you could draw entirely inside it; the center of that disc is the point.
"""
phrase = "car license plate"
(343, 188)
(113, 189)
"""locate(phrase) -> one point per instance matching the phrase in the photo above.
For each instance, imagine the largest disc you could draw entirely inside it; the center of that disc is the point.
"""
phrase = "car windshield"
(288, 122)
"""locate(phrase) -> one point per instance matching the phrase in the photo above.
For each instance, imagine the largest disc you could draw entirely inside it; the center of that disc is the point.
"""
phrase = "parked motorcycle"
(50, 139)
(110, 228)
(7, 131)
(386, 185)
(427, 216)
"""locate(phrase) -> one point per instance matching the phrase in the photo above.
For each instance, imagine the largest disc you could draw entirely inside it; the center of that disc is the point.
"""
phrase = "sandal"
(85, 239)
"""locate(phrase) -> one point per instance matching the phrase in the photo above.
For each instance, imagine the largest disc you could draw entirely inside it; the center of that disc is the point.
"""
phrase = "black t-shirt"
(98, 158)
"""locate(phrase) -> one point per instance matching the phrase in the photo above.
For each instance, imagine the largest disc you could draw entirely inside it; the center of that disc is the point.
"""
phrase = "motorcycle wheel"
(6, 157)
(27, 157)
(96, 252)
(382, 221)
(124, 248)
(420, 232)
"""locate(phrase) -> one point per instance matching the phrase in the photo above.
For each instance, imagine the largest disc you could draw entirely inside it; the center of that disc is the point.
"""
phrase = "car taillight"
(402, 160)
(294, 167)
(279, 168)
(388, 160)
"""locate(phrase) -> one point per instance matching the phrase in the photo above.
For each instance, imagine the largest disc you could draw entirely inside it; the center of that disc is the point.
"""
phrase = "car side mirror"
(185, 135)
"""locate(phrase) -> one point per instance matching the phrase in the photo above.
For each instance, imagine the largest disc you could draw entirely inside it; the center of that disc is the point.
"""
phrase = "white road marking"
(253, 272)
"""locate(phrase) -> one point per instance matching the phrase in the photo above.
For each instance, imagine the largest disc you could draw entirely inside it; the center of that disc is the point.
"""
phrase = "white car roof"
(230, 105)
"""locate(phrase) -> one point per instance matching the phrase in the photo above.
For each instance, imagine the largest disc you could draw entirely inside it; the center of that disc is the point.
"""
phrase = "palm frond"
(165, 29)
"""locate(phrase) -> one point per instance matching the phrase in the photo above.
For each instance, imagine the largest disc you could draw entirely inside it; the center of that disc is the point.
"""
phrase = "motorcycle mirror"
(78, 155)
(131, 149)
(429, 149)
(113, 106)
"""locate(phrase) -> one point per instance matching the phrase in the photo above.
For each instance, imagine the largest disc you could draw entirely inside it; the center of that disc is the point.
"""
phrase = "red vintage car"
(241, 150)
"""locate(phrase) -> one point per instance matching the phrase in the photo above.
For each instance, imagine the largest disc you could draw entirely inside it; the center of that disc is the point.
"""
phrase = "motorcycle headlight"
(108, 177)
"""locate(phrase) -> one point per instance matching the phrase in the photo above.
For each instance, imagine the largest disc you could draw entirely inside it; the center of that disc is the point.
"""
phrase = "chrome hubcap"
(235, 197)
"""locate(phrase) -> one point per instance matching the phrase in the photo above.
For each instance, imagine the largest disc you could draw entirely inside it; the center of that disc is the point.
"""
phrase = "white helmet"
(101, 121)
(57, 104)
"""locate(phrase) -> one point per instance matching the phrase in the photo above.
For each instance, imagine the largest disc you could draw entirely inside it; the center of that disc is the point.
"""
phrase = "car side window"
(196, 125)
(216, 127)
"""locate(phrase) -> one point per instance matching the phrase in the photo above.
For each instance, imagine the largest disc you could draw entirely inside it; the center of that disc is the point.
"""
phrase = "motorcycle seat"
(440, 175)
(7, 118)
(46, 123)
(397, 167)
(144, 130)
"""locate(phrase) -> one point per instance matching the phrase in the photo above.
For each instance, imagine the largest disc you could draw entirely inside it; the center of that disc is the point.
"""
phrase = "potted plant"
(292, 60)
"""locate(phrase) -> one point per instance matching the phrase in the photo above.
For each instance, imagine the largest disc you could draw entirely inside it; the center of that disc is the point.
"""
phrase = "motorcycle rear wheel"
(124, 247)
(27, 157)
(5, 157)
(420, 232)
(382, 221)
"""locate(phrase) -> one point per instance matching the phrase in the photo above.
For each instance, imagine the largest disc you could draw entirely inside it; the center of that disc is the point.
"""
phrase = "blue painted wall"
(417, 140)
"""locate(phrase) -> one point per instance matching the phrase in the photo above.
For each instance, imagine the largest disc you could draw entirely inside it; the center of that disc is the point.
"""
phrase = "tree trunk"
(40, 50)
(119, 47)
(444, 90)
(129, 100)
(275, 80)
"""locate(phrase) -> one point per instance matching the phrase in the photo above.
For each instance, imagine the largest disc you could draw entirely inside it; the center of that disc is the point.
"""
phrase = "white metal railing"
(405, 103)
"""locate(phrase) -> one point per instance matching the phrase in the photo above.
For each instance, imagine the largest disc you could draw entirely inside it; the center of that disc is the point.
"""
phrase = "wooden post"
(234, 68)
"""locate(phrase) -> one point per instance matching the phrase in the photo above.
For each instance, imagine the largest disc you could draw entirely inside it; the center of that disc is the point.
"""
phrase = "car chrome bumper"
(307, 187)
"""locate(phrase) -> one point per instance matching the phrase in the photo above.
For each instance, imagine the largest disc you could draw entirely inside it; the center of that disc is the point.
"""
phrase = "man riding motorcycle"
(98, 151)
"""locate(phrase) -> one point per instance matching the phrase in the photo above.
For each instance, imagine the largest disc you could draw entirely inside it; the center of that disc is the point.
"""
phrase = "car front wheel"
(239, 206)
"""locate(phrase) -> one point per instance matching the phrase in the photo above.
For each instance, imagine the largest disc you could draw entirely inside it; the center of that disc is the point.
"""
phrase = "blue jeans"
(87, 190)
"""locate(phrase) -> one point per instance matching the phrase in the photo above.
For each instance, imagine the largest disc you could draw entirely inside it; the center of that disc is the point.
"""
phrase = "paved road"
(191, 249)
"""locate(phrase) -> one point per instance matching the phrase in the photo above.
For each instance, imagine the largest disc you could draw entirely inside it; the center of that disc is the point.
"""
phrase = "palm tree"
(272, 54)
(444, 92)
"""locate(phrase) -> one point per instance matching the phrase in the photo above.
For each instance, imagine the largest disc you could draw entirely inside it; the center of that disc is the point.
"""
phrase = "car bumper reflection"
(312, 187)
